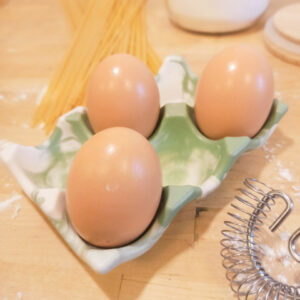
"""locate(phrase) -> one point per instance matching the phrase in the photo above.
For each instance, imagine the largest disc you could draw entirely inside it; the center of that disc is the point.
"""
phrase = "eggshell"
(123, 92)
(114, 187)
(234, 94)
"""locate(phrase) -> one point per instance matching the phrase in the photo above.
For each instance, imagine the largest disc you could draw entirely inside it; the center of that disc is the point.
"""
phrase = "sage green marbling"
(192, 165)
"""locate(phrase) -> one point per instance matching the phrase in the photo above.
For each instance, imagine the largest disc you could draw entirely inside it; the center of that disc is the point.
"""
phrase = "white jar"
(215, 16)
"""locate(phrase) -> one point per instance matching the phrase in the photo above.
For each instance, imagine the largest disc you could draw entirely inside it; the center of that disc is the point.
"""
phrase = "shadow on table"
(3, 2)
(145, 267)
(141, 270)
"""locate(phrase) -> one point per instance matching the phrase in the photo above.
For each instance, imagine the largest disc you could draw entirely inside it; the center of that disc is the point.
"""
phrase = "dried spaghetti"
(104, 27)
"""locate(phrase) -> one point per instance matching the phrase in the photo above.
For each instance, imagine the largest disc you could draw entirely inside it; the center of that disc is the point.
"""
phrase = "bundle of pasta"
(105, 27)
(75, 10)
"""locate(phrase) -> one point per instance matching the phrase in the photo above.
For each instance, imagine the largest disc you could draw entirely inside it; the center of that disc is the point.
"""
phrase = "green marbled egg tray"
(192, 165)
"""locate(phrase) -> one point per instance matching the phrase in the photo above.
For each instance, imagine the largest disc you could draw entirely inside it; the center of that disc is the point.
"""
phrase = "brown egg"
(234, 94)
(114, 187)
(122, 92)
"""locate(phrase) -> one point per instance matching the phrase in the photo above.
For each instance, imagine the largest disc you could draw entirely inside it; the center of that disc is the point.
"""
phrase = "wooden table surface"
(35, 263)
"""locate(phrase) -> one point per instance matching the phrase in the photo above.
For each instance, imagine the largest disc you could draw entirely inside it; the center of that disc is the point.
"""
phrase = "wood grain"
(287, 22)
(185, 263)
(279, 45)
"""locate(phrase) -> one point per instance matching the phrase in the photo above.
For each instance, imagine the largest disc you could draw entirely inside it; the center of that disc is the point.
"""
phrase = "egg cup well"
(192, 165)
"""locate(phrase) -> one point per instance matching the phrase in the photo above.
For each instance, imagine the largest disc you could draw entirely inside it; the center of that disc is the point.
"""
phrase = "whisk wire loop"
(241, 252)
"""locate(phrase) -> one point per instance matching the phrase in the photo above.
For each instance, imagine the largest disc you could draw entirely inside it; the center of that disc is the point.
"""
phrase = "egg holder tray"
(192, 165)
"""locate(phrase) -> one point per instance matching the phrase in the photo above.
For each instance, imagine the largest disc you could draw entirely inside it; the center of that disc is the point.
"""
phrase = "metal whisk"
(241, 249)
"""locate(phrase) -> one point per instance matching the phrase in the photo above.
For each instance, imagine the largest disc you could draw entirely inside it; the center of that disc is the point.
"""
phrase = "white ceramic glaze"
(215, 16)
(193, 165)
